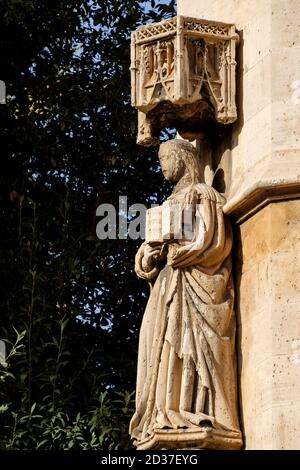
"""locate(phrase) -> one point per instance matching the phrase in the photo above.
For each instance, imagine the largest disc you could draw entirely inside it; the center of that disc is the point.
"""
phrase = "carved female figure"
(186, 381)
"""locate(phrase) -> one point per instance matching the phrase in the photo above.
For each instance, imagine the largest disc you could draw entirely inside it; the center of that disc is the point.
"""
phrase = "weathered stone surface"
(183, 76)
(268, 283)
(265, 146)
(257, 167)
(186, 381)
(260, 166)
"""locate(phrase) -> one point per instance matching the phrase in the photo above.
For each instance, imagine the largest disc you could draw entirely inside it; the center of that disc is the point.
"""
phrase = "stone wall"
(268, 315)
(265, 140)
(261, 163)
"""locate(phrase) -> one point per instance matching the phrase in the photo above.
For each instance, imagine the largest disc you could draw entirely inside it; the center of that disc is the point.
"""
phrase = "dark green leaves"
(68, 145)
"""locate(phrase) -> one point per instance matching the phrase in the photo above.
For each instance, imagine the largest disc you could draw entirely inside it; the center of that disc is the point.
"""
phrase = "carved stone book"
(163, 223)
(169, 221)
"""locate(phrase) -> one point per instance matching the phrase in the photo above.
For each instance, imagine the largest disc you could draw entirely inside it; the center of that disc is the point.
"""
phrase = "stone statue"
(186, 393)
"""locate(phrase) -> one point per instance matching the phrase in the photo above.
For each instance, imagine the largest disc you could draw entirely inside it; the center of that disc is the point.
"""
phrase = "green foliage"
(47, 427)
(48, 423)
(67, 145)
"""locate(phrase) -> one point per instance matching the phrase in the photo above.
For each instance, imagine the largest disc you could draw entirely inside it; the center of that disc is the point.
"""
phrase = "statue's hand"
(147, 260)
(151, 256)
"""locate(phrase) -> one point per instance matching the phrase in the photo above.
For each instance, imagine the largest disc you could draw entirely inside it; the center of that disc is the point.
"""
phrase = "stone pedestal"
(259, 164)
(188, 439)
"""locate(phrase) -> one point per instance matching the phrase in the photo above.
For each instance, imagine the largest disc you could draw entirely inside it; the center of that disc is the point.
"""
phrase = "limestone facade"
(260, 159)
(268, 287)
(265, 139)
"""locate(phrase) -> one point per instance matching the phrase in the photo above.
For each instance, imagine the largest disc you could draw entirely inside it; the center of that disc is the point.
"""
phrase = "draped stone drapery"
(186, 364)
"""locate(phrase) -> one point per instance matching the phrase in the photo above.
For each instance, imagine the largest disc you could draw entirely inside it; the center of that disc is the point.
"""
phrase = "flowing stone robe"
(186, 363)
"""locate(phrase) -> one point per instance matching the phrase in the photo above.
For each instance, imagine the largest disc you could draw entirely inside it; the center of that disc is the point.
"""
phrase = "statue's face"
(172, 165)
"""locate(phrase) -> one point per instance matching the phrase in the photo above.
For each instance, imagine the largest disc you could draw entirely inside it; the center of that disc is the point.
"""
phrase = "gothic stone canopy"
(183, 76)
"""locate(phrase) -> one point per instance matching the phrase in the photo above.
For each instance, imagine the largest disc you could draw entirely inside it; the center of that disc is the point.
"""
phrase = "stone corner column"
(261, 168)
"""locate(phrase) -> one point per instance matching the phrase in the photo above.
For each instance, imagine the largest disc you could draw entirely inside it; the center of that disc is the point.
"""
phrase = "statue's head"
(179, 158)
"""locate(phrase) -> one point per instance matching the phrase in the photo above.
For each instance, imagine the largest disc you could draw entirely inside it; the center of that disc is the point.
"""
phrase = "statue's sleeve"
(209, 244)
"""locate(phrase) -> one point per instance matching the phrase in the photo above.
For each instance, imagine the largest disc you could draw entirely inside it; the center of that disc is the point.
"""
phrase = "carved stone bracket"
(183, 76)
(186, 439)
